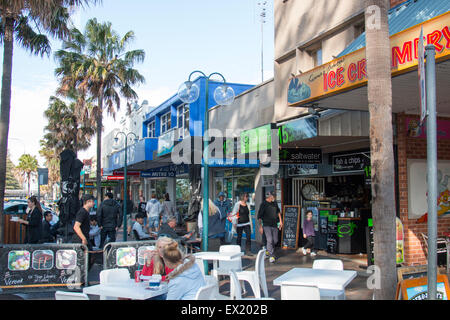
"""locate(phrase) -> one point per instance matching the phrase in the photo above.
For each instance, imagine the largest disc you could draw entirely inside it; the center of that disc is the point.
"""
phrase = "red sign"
(129, 173)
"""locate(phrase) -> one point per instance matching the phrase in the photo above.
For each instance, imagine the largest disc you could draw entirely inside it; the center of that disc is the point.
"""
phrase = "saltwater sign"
(350, 71)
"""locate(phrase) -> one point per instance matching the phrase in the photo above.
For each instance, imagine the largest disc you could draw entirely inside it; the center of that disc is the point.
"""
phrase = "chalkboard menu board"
(332, 234)
(42, 267)
(291, 225)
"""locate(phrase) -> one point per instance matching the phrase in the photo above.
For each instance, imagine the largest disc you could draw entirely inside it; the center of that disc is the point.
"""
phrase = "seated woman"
(154, 264)
(186, 278)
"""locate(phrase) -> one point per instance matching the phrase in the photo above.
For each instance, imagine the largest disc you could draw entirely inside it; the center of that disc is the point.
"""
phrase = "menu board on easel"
(291, 226)
(417, 289)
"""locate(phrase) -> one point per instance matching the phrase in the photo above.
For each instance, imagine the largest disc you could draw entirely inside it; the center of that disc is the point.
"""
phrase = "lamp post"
(223, 95)
(125, 192)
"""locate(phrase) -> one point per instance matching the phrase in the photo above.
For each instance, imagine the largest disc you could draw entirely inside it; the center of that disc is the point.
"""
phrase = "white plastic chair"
(293, 292)
(235, 289)
(235, 264)
(64, 295)
(256, 278)
(118, 275)
(209, 279)
(330, 264)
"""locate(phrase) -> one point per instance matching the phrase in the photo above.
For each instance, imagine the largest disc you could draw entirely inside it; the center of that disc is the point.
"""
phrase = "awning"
(337, 130)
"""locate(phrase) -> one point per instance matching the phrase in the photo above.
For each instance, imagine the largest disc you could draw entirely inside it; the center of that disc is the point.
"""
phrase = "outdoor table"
(129, 289)
(217, 256)
(323, 279)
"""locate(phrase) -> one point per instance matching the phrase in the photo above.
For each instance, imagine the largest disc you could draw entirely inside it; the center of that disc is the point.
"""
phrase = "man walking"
(269, 215)
(154, 210)
(82, 222)
(109, 218)
(224, 206)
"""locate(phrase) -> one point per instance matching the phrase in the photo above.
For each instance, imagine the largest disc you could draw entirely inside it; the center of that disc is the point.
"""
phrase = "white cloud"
(27, 119)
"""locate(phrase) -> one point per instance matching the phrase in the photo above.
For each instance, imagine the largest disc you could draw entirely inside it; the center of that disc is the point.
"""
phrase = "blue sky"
(178, 36)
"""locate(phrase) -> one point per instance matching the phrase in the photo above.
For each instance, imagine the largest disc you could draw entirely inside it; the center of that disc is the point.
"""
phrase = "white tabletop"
(129, 289)
(215, 255)
(323, 279)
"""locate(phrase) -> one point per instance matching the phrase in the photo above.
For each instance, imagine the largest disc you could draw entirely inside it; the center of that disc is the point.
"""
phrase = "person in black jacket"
(269, 217)
(33, 222)
(47, 232)
(109, 218)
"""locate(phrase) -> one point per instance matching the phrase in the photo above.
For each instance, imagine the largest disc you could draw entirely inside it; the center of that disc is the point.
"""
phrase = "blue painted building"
(163, 127)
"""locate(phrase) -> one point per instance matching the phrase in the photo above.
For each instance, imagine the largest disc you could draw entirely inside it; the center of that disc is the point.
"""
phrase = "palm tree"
(28, 165)
(23, 21)
(97, 64)
(67, 128)
(11, 181)
(52, 162)
(381, 143)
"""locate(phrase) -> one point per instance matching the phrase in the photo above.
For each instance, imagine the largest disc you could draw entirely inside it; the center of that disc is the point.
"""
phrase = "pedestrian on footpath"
(224, 206)
(141, 208)
(153, 209)
(33, 222)
(269, 217)
(308, 234)
(109, 218)
(168, 208)
(243, 222)
(82, 224)
(216, 233)
(130, 210)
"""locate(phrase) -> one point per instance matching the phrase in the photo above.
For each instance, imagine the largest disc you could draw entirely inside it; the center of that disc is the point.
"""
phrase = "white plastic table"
(323, 279)
(215, 256)
(129, 289)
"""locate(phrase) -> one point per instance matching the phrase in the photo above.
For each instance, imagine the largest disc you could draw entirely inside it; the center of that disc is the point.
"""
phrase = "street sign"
(422, 78)
(43, 176)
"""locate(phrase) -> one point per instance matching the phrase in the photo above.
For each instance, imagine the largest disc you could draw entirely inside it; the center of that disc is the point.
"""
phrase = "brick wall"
(415, 148)
(396, 2)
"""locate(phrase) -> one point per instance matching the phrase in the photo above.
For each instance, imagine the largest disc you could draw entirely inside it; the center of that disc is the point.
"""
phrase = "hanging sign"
(300, 156)
(355, 162)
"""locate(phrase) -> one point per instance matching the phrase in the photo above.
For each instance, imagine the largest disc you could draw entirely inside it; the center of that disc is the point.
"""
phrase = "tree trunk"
(8, 41)
(99, 150)
(378, 56)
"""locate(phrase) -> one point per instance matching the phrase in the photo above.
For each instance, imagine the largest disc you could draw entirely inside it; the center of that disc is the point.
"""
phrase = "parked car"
(17, 207)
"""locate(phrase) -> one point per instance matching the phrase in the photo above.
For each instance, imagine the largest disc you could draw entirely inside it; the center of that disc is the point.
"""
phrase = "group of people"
(152, 220)
(38, 226)
(182, 273)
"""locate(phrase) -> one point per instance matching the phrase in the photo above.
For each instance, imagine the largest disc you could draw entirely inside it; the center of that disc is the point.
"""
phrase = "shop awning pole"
(432, 170)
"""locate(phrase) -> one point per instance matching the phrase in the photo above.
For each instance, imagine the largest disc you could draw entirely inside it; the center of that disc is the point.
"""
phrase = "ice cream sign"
(350, 71)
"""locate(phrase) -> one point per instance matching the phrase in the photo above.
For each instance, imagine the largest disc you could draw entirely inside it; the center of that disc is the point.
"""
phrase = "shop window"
(183, 120)
(166, 122)
(151, 129)
(317, 57)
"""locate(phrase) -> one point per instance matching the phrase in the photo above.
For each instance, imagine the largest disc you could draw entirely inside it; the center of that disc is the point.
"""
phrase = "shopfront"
(338, 194)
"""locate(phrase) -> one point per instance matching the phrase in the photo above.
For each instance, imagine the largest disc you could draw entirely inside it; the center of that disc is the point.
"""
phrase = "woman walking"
(243, 222)
(34, 221)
